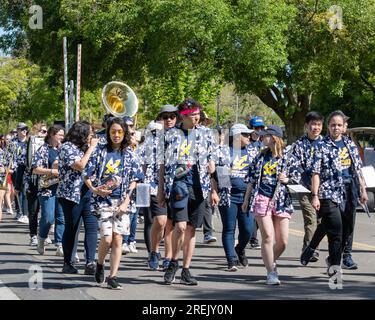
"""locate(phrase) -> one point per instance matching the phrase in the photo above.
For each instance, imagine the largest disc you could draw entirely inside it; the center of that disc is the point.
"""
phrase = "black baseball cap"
(273, 130)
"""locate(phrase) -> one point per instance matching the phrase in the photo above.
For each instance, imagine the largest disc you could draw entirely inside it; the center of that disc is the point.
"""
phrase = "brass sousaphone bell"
(119, 99)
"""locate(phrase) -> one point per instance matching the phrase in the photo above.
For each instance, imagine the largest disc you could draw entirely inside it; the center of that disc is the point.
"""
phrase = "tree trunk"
(293, 123)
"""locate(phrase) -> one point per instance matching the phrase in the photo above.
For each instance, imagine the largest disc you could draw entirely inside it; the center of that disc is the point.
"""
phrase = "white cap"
(240, 128)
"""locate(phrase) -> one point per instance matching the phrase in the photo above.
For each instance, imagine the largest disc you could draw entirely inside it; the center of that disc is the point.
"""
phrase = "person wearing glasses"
(157, 225)
(236, 160)
(74, 197)
(112, 174)
(45, 164)
(18, 150)
(186, 169)
(31, 186)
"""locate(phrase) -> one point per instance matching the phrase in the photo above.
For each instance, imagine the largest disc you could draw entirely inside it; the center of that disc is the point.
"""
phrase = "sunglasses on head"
(169, 116)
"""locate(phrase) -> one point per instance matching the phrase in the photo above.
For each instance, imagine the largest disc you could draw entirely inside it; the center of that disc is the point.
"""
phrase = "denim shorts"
(261, 206)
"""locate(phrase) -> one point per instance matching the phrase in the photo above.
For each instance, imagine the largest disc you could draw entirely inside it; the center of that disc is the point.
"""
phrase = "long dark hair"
(52, 131)
(126, 141)
(78, 134)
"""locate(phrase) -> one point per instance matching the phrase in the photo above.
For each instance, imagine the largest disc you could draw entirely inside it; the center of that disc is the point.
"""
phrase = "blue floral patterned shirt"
(70, 179)
(287, 164)
(202, 152)
(40, 160)
(130, 172)
(304, 150)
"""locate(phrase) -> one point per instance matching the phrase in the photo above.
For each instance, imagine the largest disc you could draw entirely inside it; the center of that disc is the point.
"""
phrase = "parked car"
(364, 138)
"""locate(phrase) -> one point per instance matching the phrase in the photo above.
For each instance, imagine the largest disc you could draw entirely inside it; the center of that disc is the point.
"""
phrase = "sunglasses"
(245, 134)
(120, 132)
(171, 116)
(43, 131)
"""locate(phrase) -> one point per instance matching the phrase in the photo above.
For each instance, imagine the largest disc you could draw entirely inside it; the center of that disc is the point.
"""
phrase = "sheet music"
(368, 173)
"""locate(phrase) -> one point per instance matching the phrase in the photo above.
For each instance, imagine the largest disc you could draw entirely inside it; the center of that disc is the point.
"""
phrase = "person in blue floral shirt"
(112, 174)
(157, 225)
(304, 149)
(45, 163)
(270, 200)
(236, 161)
(187, 162)
(337, 186)
(77, 147)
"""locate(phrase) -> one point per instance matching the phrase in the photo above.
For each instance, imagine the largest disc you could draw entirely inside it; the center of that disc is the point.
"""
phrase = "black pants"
(33, 207)
(332, 226)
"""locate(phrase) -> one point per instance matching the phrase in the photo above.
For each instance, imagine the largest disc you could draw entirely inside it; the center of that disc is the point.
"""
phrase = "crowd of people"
(190, 172)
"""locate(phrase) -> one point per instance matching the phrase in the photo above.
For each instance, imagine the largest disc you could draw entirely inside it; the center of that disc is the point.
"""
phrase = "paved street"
(208, 266)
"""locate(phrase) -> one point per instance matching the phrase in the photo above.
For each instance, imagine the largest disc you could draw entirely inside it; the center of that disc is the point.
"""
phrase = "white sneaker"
(34, 241)
(125, 248)
(132, 247)
(76, 259)
(273, 279)
(41, 246)
(59, 251)
(48, 241)
(23, 219)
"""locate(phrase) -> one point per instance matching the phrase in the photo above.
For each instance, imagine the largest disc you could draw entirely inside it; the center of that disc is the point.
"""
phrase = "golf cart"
(364, 138)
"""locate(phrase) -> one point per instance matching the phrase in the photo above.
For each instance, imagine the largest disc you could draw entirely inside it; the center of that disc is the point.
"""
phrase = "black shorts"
(194, 212)
(155, 209)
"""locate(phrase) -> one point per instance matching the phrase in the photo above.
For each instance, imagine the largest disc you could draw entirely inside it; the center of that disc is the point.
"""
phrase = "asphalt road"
(18, 280)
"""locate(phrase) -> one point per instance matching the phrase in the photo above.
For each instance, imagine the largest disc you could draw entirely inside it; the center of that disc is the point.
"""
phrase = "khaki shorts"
(111, 222)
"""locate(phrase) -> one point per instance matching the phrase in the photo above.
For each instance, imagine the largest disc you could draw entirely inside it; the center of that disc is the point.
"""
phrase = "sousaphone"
(119, 99)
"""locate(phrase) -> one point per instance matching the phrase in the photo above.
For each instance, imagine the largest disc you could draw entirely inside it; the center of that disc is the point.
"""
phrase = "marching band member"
(45, 164)
(157, 225)
(77, 147)
(304, 149)
(237, 159)
(185, 181)
(18, 148)
(111, 174)
(337, 184)
(31, 186)
(270, 201)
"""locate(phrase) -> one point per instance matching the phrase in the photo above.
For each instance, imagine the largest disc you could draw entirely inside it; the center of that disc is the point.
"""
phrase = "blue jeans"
(51, 213)
(72, 214)
(133, 228)
(245, 226)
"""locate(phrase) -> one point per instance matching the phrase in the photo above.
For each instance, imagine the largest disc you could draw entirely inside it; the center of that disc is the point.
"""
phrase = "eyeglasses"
(170, 116)
(43, 131)
(245, 134)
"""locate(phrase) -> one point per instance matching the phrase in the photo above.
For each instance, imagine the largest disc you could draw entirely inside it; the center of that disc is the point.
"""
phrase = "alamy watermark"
(335, 278)
(36, 19)
(335, 22)
(36, 277)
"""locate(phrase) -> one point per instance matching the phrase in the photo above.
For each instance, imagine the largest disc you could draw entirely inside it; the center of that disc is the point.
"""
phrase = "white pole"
(237, 109)
(65, 58)
(78, 98)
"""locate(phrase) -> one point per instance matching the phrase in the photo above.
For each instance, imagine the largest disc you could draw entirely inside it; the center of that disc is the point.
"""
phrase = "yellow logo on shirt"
(345, 157)
(239, 164)
(270, 168)
(112, 167)
(185, 148)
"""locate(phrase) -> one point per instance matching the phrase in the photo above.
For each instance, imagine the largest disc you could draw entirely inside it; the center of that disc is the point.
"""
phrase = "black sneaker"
(69, 269)
(113, 284)
(232, 266)
(99, 273)
(306, 256)
(315, 257)
(241, 256)
(187, 278)
(90, 269)
(170, 274)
